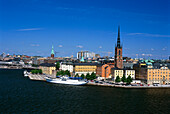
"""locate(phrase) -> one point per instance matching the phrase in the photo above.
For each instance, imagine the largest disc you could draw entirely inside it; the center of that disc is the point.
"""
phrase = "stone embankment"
(39, 77)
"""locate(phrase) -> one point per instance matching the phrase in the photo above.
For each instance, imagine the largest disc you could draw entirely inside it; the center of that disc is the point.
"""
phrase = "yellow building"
(84, 68)
(49, 69)
(158, 74)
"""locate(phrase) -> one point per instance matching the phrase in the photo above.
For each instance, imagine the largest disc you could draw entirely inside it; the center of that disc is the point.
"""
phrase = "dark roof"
(159, 65)
(83, 64)
(47, 64)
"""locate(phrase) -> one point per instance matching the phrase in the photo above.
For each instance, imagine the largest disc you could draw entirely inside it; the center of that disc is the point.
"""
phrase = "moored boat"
(66, 80)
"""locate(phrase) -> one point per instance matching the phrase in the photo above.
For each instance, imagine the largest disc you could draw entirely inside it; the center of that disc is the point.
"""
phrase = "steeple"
(118, 38)
(52, 52)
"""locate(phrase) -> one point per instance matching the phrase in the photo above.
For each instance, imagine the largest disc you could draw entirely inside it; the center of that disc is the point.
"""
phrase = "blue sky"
(31, 27)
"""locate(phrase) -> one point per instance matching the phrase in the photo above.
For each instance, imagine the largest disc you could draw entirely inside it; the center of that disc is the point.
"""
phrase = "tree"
(129, 79)
(88, 76)
(82, 76)
(123, 79)
(117, 79)
(40, 71)
(93, 76)
(33, 71)
(36, 71)
(76, 75)
(67, 73)
(57, 66)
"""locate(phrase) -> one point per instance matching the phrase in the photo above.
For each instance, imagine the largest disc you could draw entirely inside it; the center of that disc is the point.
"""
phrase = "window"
(119, 52)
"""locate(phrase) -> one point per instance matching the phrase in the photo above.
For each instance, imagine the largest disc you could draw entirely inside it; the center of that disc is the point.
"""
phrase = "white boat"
(25, 73)
(66, 80)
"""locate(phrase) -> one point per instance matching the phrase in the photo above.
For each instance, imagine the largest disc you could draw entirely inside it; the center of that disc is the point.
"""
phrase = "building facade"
(106, 70)
(66, 66)
(130, 73)
(85, 55)
(118, 53)
(158, 73)
(48, 69)
(118, 72)
(84, 68)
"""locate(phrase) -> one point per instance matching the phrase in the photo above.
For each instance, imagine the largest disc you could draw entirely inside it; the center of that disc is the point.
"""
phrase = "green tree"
(57, 66)
(36, 71)
(67, 73)
(32, 71)
(117, 79)
(123, 79)
(82, 76)
(40, 71)
(129, 79)
(88, 76)
(93, 76)
(76, 75)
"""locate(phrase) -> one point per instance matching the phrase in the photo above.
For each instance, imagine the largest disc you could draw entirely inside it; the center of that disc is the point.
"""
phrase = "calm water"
(19, 94)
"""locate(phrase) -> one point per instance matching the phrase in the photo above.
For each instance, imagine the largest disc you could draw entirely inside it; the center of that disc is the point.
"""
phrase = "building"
(49, 69)
(117, 72)
(85, 55)
(84, 68)
(106, 70)
(66, 66)
(158, 73)
(128, 65)
(140, 71)
(130, 73)
(52, 52)
(118, 52)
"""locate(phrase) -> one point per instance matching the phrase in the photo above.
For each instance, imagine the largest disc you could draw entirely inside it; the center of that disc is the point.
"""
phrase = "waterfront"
(19, 94)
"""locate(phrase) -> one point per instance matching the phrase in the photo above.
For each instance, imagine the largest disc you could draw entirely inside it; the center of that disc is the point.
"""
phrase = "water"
(21, 95)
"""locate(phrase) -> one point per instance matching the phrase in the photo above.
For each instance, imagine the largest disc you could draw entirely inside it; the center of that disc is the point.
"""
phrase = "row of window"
(160, 75)
(157, 79)
(159, 69)
(160, 72)
(85, 70)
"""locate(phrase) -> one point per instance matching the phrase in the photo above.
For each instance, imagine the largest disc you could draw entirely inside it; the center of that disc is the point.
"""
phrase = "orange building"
(106, 70)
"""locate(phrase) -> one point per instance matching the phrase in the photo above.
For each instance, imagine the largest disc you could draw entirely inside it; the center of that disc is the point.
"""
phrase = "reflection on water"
(19, 94)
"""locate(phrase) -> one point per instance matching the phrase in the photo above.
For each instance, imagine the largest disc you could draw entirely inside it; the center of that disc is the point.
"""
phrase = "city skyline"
(32, 27)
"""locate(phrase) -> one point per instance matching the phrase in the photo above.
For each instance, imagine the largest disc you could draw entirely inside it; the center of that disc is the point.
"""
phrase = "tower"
(118, 52)
(52, 52)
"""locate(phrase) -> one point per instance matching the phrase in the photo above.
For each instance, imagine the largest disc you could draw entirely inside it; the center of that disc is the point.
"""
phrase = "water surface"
(21, 95)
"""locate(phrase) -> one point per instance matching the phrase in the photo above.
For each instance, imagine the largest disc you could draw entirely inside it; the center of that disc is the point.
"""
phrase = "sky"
(31, 27)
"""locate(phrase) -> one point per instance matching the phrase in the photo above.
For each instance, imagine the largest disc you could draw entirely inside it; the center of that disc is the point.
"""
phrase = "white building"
(66, 66)
(118, 73)
(85, 54)
(130, 73)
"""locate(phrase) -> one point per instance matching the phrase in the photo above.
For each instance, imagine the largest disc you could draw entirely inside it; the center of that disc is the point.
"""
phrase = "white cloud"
(29, 29)
(163, 49)
(152, 49)
(35, 45)
(100, 46)
(150, 35)
(60, 45)
(79, 46)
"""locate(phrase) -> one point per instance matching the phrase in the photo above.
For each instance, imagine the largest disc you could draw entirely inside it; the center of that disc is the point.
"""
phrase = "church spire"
(118, 38)
(52, 52)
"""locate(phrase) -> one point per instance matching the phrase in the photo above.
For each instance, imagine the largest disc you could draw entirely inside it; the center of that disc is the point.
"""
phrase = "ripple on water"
(19, 94)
